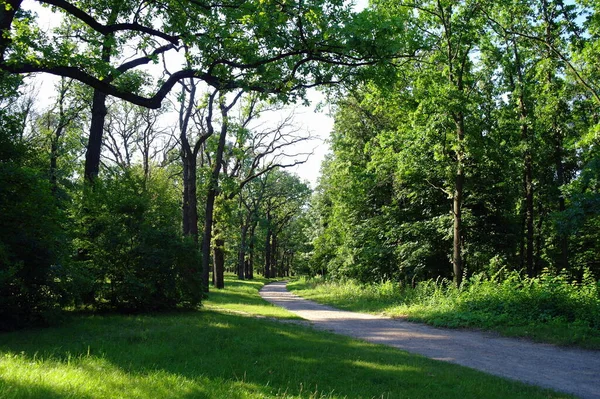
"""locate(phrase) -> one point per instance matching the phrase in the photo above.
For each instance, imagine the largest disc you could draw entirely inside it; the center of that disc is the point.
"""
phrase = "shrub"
(29, 242)
(131, 247)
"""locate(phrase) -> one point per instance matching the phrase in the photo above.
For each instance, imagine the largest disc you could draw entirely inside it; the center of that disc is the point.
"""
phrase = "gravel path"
(566, 370)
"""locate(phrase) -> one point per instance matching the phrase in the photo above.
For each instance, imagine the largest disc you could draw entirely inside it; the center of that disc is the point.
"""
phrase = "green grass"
(242, 297)
(212, 353)
(547, 309)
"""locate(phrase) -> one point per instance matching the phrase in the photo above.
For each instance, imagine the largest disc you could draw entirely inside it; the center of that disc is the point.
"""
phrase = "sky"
(316, 122)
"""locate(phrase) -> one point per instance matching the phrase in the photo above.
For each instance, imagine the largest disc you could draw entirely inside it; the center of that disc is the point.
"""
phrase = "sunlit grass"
(215, 354)
(242, 296)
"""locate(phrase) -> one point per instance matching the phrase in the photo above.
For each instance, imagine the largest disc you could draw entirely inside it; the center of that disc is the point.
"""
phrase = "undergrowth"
(550, 308)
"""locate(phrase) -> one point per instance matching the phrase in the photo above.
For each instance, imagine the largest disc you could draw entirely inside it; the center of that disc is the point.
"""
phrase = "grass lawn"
(441, 310)
(222, 352)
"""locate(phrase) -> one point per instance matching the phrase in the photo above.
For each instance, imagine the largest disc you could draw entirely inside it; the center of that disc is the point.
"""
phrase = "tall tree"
(453, 29)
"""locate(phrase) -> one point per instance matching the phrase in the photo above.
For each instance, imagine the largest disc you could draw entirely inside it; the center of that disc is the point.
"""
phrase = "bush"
(131, 248)
(507, 299)
(30, 244)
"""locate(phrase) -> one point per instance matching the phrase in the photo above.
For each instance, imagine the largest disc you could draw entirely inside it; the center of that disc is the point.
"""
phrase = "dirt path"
(566, 370)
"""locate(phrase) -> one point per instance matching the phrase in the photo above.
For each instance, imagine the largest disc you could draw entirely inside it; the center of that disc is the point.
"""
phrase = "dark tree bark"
(242, 251)
(457, 259)
(7, 15)
(563, 239)
(252, 238)
(61, 124)
(457, 53)
(219, 263)
(94, 147)
(213, 187)
(274, 263)
(189, 158)
(549, 16)
(268, 257)
(527, 167)
(190, 202)
(208, 222)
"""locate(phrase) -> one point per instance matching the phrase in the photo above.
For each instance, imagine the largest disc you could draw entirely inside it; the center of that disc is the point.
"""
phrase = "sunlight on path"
(567, 370)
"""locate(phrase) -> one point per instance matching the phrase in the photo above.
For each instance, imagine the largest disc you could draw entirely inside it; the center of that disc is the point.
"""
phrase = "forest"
(466, 144)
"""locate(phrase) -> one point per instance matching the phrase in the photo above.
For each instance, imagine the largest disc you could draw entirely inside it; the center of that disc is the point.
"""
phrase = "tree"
(255, 150)
(256, 46)
(130, 246)
(451, 31)
(285, 195)
(132, 131)
(62, 117)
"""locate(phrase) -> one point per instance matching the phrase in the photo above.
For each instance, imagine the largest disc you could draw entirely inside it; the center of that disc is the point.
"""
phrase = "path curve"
(566, 370)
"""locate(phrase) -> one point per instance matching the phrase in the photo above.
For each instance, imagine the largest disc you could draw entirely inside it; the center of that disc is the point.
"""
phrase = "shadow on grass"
(212, 355)
(33, 390)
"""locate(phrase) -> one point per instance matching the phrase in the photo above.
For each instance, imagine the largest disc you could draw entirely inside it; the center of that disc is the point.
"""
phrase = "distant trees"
(120, 243)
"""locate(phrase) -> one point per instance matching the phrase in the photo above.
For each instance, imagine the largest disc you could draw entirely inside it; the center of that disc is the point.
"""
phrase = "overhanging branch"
(108, 29)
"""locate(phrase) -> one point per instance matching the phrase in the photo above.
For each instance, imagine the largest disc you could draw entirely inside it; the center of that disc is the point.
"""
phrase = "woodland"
(465, 146)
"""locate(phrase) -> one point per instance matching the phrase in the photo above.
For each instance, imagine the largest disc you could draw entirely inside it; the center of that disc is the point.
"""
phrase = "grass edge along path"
(548, 309)
(218, 354)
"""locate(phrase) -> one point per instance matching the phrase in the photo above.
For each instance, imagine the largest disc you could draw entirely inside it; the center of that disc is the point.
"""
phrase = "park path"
(572, 371)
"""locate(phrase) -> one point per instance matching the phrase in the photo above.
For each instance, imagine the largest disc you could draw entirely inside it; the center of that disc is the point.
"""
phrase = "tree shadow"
(212, 355)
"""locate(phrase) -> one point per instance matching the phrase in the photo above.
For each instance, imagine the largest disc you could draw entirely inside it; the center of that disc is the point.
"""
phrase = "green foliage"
(384, 206)
(260, 45)
(31, 245)
(130, 249)
(581, 220)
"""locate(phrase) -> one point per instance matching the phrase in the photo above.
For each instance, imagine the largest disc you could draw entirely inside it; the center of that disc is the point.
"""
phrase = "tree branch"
(108, 29)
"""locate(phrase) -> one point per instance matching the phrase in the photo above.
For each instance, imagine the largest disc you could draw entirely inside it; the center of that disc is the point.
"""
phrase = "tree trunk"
(457, 260)
(250, 269)
(190, 201)
(529, 211)
(207, 237)
(54, 161)
(7, 15)
(56, 137)
(539, 242)
(94, 147)
(560, 174)
(268, 257)
(459, 184)
(219, 263)
(213, 189)
(551, 33)
(527, 167)
(242, 252)
(274, 263)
